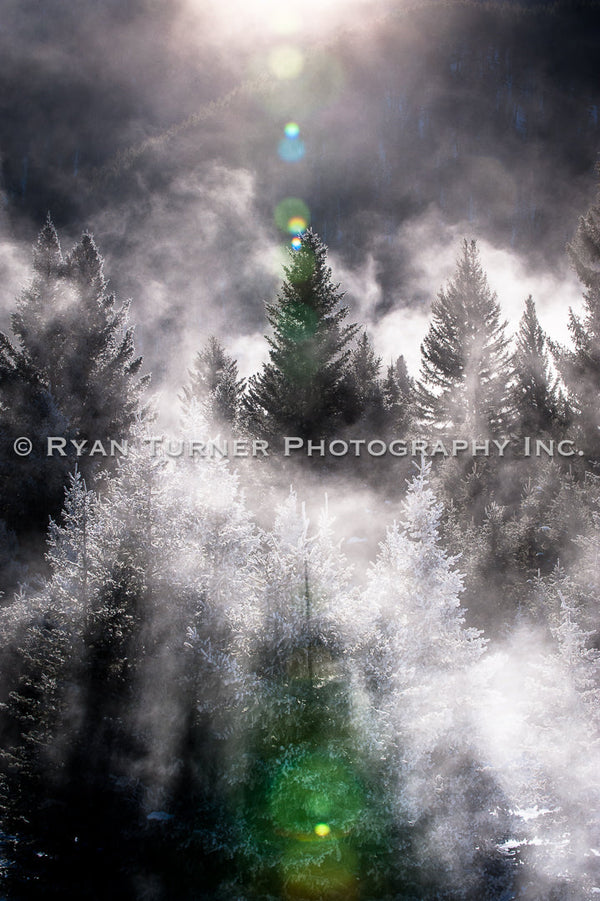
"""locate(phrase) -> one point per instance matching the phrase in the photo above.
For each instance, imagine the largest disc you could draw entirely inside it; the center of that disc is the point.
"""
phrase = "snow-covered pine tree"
(70, 371)
(311, 805)
(308, 588)
(303, 389)
(143, 633)
(417, 590)
(421, 675)
(537, 687)
(581, 658)
(42, 646)
(585, 562)
(214, 386)
(69, 332)
(201, 610)
(465, 367)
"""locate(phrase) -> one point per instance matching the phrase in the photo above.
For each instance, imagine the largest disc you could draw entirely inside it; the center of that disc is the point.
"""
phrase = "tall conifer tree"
(580, 367)
(366, 408)
(72, 336)
(303, 389)
(214, 385)
(539, 407)
(465, 367)
(69, 370)
(398, 393)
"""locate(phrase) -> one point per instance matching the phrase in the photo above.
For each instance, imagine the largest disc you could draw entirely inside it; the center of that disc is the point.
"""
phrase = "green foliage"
(303, 389)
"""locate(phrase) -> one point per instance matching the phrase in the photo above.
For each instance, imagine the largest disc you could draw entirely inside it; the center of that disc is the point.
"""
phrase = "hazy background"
(158, 126)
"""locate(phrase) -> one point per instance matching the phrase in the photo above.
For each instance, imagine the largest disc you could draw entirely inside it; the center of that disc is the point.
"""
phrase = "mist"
(309, 678)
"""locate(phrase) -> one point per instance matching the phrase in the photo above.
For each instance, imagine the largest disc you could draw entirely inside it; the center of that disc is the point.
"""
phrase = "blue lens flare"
(291, 150)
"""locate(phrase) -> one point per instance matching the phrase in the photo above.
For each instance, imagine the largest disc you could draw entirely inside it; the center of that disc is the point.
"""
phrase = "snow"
(531, 813)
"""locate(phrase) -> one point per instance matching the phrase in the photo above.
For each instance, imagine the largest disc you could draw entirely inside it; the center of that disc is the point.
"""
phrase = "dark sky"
(160, 127)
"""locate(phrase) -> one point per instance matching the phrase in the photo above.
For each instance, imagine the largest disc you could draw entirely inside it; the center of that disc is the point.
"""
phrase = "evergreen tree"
(31, 486)
(486, 546)
(70, 371)
(581, 660)
(418, 591)
(122, 681)
(504, 546)
(539, 406)
(465, 367)
(537, 691)
(398, 391)
(580, 367)
(584, 250)
(554, 507)
(312, 806)
(75, 342)
(303, 389)
(42, 640)
(420, 662)
(366, 407)
(214, 386)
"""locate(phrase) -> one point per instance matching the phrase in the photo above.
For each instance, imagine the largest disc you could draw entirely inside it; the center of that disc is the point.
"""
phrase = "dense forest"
(208, 693)
(284, 617)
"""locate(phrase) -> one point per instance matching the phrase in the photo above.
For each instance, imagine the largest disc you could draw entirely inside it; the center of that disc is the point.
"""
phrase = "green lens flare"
(292, 215)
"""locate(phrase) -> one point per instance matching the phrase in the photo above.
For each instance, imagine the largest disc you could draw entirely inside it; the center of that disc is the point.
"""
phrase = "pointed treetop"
(465, 366)
(308, 278)
(303, 385)
(85, 265)
(584, 250)
(530, 335)
(214, 388)
(47, 254)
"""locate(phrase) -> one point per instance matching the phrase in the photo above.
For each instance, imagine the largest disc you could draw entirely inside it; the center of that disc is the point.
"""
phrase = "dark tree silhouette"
(538, 404)
(303, 388)
(465, 366)
(580, 366)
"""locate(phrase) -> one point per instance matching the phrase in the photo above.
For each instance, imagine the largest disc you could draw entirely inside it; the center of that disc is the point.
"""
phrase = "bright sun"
(277, 20)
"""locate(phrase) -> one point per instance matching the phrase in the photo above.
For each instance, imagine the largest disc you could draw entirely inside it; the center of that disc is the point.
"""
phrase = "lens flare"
(292, 130)
(297, 225)
(286, 62)
(285, 21)
(292, 216)
(296, 243)
(290, 150)
(316, 803)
